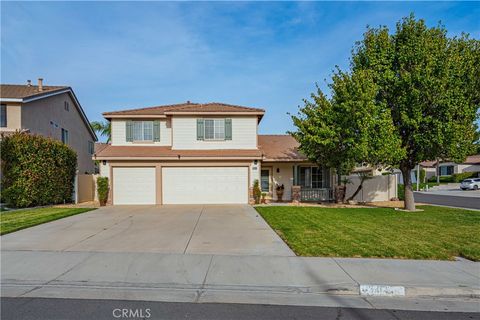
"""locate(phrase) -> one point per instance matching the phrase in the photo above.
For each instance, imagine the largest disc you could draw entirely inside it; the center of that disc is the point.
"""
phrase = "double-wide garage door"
(181, 185)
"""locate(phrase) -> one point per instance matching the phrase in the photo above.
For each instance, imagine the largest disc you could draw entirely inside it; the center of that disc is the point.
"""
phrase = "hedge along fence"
(36, 170)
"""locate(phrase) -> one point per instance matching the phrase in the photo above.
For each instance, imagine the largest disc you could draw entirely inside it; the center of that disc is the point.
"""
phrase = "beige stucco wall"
(379, 188)
(14, 117)
(36, 117)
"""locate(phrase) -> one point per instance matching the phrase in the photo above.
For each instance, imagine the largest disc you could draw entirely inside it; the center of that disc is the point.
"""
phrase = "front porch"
(303, 182)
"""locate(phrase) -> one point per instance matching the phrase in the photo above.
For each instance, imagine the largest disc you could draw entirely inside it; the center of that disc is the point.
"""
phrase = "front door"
(265, 180)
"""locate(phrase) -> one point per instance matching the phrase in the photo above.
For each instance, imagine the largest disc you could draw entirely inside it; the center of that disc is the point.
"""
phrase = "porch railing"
(316, 194)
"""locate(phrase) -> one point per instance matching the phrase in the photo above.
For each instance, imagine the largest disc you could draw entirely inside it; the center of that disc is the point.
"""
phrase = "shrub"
(257, 193)
(36, 170)
(459, 177)
(443, 179)
(102, 190)
(401, 192)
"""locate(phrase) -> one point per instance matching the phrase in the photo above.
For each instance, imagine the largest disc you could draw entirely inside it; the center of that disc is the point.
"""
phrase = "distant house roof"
(23, 93)
(280, 148)
(475, 159)
(186, 108)
(18, 91)
(165, 152)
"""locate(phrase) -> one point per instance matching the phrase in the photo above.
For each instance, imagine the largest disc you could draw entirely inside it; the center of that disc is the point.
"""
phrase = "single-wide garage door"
(134, 186)
(204, 185)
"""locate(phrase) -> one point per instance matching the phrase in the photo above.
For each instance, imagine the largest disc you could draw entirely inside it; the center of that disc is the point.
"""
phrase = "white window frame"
(146, 131)
(218, 129)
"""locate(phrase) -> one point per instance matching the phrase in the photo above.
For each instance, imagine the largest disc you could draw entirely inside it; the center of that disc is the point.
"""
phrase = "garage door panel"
(134, 186)
(205, 185)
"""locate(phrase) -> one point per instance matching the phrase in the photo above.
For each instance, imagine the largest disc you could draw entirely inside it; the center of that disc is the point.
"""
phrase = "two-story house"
(51, 111)
(193, 153)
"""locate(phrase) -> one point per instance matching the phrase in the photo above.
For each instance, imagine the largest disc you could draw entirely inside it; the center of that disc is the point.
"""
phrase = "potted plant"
(102, 190)
(257, 193)
(264, 200)
(279, 189)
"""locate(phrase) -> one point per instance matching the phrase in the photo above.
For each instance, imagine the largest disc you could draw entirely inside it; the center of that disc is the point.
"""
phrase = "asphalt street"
(470, 202)
(76, 309)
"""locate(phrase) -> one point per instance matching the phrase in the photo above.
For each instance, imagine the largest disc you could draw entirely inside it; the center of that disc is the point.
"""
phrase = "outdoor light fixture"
(104, 162)
(255, 161)
(278, 170)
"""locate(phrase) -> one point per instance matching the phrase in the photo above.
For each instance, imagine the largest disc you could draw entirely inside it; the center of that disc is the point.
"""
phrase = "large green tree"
(423, 83)
(430, 83)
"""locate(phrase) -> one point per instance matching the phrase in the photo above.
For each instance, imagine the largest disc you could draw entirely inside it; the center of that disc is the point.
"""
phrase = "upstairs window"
(66, 106)
(91, 147)
(214, 129)
(143, 131)
(65, 136)
(3, 113)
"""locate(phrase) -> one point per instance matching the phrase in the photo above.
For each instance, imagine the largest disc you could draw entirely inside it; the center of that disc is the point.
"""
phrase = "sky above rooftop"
(121, 55)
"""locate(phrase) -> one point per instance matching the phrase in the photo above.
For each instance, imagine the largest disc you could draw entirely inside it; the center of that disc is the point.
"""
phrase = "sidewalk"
(242, 279)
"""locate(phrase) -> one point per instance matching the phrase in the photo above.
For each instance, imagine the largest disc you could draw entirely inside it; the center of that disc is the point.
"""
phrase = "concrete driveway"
(209, 229)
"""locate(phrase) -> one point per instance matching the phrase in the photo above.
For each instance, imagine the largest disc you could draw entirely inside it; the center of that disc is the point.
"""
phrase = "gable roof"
(19, 91)
(186, 108)
(280, 148)
(27, 93)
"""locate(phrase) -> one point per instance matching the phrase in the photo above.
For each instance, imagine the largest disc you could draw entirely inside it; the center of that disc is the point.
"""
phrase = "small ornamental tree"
(36, 170)
(102, 190)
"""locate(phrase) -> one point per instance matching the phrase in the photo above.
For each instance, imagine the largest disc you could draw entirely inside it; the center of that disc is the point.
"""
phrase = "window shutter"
(129, 130)
(200, 129)
(156, 131)
(228, 129)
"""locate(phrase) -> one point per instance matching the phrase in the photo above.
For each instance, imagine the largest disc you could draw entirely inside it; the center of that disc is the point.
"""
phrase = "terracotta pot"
(103, 203)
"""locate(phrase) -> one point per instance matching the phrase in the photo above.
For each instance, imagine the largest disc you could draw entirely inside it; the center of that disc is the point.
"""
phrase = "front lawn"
(11, 221)
(436, 233)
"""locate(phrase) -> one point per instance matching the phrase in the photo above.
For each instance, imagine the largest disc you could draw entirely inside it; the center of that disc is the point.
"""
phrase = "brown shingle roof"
(99, 146)
(19, 91)
(280, 148)
(167, 152)
(188, 107)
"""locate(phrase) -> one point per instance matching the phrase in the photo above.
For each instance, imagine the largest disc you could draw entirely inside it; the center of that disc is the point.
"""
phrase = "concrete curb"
(64, 289)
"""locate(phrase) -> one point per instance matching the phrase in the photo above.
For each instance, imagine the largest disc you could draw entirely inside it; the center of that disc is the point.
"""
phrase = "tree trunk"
(407, 183)
(360, 186)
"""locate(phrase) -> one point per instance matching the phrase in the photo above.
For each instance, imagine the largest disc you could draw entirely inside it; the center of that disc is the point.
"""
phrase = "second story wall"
(13, 114)
(119, 134)
(49, 116)
(244, 134)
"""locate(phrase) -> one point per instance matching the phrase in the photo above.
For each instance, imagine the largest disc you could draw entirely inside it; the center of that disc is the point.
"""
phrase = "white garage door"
(134, 186)
(205, 185)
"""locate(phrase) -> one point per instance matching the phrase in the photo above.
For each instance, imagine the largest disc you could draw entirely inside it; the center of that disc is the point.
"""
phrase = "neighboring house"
(447, 168)
(50, 111)
(209, 153)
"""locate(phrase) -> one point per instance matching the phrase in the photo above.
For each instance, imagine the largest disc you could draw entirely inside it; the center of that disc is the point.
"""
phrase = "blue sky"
(119, 55)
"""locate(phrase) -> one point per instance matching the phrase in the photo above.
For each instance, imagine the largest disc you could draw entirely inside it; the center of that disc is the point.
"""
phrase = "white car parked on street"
(470, 184)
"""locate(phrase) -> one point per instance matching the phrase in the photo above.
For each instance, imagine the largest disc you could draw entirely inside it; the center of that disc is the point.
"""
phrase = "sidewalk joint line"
(194, 228)
(348, 274)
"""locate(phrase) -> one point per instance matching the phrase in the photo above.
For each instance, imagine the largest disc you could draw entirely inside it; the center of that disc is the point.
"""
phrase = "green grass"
(436, 233)
(11, 221)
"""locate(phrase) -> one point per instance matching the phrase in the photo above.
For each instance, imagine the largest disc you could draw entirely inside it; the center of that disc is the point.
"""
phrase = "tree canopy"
(408, 97)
